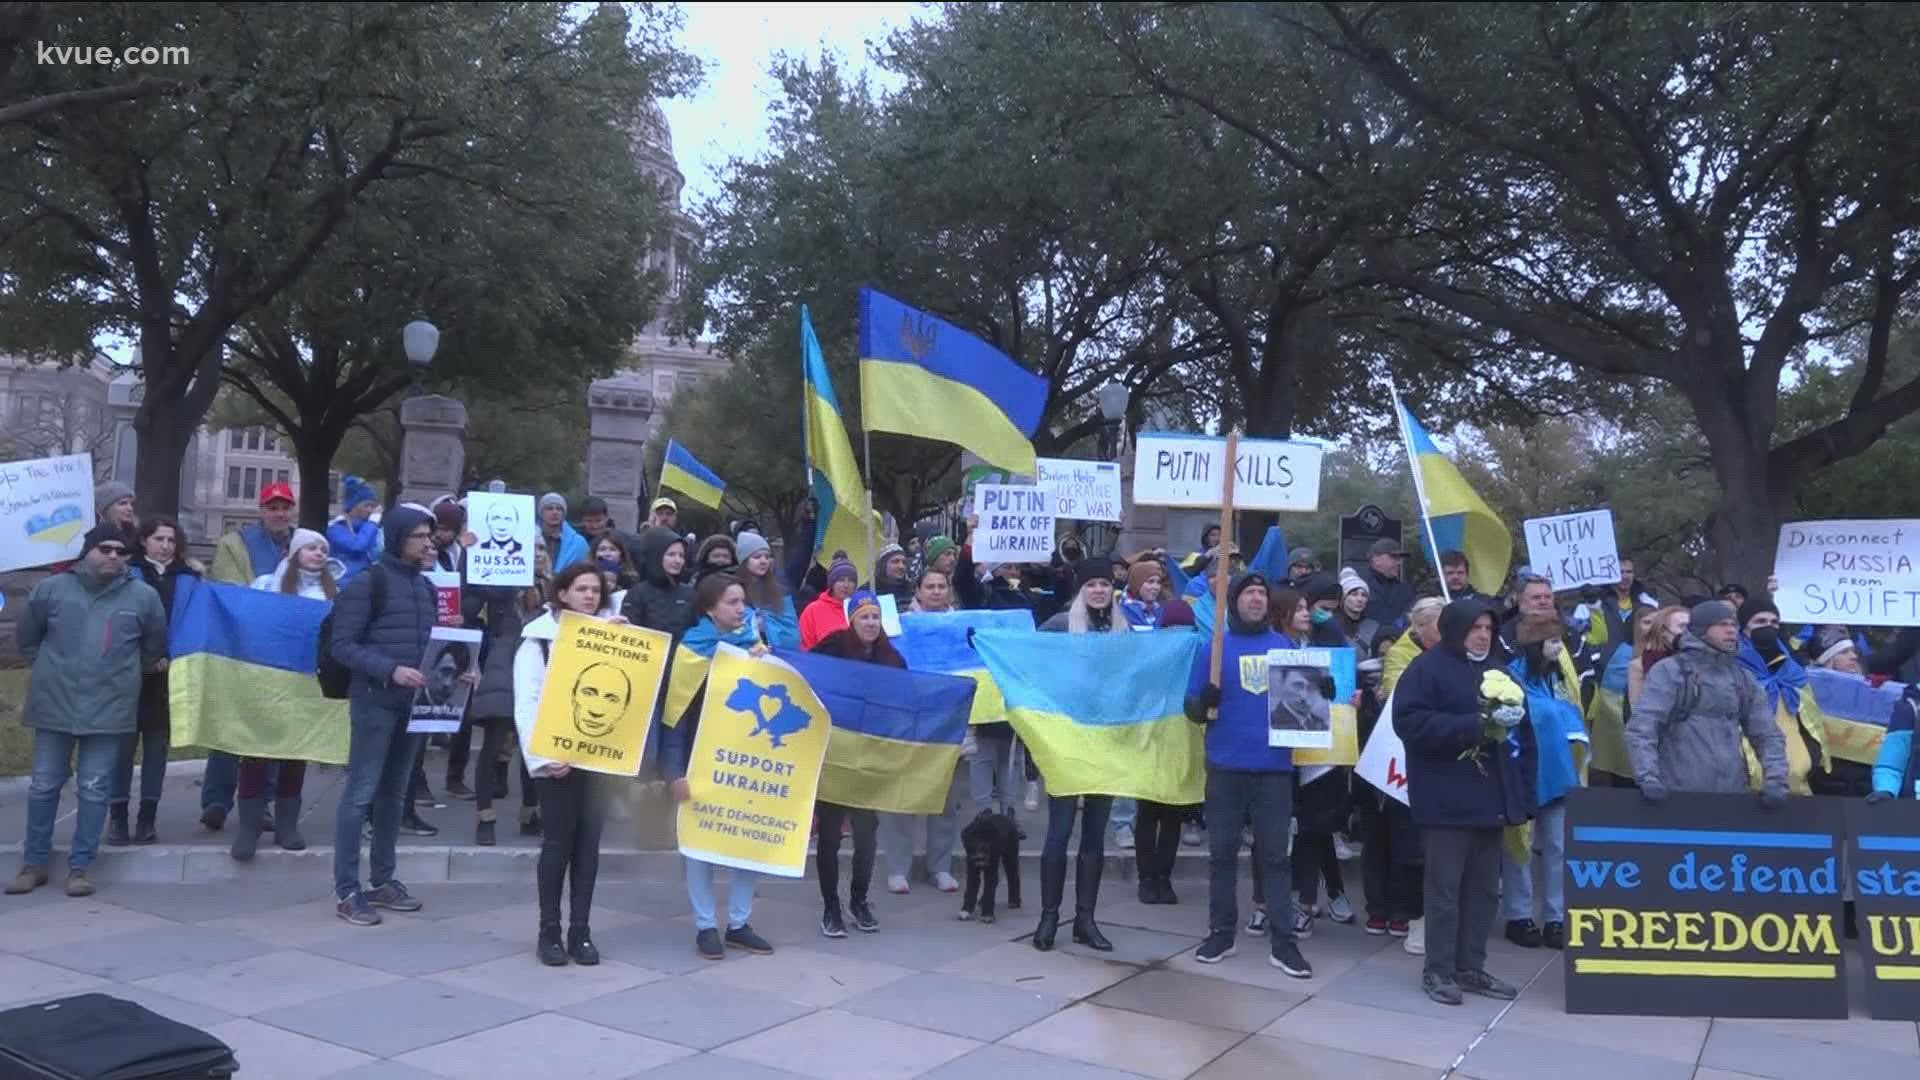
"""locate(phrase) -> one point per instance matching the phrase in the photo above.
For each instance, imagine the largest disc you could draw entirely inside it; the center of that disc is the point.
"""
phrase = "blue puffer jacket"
(1898, 766)
(1436, 712)
(355, 545)
(374, 643)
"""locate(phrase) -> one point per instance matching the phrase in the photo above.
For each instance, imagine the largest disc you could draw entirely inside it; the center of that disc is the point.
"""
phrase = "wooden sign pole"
(1223, 561)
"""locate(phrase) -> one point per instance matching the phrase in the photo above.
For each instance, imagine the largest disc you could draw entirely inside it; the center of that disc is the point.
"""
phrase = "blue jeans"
(152, 751)
(1267, 800)
(1549, 860)
(1093, 826)
(53, 761)
(700, 894)
(897, 832)
(1125, 812)
(379, 764)
(221, 781)
(990, 780)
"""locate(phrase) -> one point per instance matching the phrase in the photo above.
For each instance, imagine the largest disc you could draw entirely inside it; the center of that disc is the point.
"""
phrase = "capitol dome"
(653, 146)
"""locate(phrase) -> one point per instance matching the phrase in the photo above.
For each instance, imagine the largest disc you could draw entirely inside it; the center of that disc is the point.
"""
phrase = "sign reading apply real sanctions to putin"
(1860, 573)
(1171, 469)
(598, 700)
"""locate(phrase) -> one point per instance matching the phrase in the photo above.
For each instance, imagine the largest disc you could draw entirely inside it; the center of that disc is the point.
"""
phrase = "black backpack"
(336, 678)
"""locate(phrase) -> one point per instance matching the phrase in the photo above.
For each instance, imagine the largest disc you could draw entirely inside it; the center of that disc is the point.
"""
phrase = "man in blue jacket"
(381, 623)
(1896, 770)
(1464, 784)
(1246, 778)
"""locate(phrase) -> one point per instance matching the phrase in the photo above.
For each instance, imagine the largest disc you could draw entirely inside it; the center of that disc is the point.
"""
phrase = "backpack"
(336, 678)
(1690, 692)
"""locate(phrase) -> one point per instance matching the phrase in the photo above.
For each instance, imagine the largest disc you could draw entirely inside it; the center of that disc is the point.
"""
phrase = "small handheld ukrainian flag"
(924, 377)
(1457, 517)
(683, 473)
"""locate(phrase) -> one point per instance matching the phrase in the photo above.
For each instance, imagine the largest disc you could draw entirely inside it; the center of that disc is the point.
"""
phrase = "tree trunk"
(1745, 529)
(314, 455)
(163, 434)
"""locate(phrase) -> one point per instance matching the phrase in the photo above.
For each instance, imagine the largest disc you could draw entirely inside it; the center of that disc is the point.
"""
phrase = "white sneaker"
(945, 882)
(1033, 795)
(1123, 837)
(1416, 942)
(1344, 849)
(1339, 909)
(897, 883)
(1302, 924)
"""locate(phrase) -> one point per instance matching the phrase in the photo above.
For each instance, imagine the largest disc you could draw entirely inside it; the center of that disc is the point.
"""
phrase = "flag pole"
(1419, 486)
(806, 440)
(1223, 559)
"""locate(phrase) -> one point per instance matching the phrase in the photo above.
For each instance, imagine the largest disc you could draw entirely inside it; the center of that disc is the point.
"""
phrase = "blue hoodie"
(356, 546)
(1237, 737)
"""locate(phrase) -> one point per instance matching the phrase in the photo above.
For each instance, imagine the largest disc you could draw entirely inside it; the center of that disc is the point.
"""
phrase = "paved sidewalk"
(455, 992)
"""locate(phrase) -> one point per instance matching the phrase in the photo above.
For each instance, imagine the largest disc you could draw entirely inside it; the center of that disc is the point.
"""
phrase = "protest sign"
(1190, 470)
(1343, 748)
(446, 596)
(1884, 857)
(1016, 524)
(46, 508)
(1703, 905)
(1572, 550)
(439, 705)
(598, 699)
(1300, 695)
(505, 525)
(1861, 573)
(1080, 490)
(1383, 761)
(755, 766)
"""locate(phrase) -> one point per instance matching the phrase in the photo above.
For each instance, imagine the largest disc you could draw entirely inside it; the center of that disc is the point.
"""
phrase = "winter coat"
(355, 546)
(1387, 598)
(245, 554)
(309, 587)
(89, 643)
(1686, 730)
(1437, 714)
(156, 715)
(505, 621)
(529, 667)
(373, 643)
(571, 549)
(1897, 767)
(1394, 664)
(658, 602)
(823, 617)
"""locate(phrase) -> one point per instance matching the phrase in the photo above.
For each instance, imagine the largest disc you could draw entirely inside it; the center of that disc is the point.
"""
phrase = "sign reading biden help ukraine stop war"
(755, 767)
(598, 700)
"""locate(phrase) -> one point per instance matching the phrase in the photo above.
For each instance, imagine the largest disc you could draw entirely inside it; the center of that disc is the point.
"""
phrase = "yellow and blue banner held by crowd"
(924, 377)
(241, 678)
(755, 768)
(832, 470)
(1103, 714)
(943, 642)
(1459, 518)
(896, 733)
(683, 473)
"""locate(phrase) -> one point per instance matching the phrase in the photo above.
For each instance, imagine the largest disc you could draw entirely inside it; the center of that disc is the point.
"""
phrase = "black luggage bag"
(96, 1037)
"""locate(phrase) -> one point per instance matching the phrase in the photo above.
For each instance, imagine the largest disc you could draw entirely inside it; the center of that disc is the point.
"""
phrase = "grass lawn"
(16, 741)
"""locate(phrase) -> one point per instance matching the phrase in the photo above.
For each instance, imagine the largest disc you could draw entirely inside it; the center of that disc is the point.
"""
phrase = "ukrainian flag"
(1460, 519)
(1103, 714)
(943, 642)
(241, 677)
(683, 473)
(831, 467)
(1856, 712)
(923, 377)
(896, 734)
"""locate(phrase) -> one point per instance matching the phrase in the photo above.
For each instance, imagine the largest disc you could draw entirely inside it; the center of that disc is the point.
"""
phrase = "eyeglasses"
(114, 550)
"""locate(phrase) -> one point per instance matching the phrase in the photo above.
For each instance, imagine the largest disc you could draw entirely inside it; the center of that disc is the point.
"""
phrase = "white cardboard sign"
(503, 552)
(1861, 573)
(1016, 523)
(1081, 490)
(46, 508)
(1171, 469)
(1572, 550)
(1383, 761)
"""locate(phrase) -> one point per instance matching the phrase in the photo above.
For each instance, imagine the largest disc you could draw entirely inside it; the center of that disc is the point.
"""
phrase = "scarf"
(1782, 681)
(1139, 613)
(704, 638)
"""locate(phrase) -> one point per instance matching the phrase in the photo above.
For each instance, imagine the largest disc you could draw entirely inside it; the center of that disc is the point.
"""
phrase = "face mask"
(1765, 637)
(608, 564)
(1320, 616)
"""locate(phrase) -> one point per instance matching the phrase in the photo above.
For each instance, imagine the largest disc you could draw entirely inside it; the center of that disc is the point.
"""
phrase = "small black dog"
(992, 842)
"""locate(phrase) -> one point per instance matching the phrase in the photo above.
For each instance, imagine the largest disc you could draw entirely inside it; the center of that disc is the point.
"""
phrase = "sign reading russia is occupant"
(1016, 524)
(598, 700)
(1190, 470)
(1861, 573)
(755, 766)
(1572, 550)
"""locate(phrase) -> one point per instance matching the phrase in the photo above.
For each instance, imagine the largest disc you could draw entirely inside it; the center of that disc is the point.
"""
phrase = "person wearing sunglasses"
(90, 634)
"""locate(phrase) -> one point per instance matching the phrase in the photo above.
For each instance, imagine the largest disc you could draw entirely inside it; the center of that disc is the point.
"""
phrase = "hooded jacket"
(355, 546)
(373, 643)
(89, 642)
(1686, 730)
(658, 602)
(1236, 739)
(824, 617)
(1437, 714)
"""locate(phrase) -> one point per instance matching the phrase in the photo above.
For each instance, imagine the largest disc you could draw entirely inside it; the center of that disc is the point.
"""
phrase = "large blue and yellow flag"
(896, 734)
(241, 678)
(832, 469)
(943, 642)
(924, 377)
(1459, 517)
(1856, 712)
(1103, 714)
(683, 473)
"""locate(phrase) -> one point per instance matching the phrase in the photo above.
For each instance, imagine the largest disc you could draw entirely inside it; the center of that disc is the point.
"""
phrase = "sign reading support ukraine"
(1704, 905)
(755, 766)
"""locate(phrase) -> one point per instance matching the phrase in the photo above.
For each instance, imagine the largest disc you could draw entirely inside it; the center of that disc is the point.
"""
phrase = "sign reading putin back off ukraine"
(598, 700)
(755, 766)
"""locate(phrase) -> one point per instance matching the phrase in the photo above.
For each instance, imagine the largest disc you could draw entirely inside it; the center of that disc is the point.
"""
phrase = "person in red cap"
(242, 556)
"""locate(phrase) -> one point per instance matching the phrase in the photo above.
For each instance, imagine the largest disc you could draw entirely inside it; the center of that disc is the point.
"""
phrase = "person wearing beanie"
(1835, 650)
(943, 555)
(770, 611)
(380, 632)
(240, 558)
(716, 555)
(353, 537)
(1553, 711)
(1706, 688)
(1301, 566)
(113, 505)
(449, 524)
(828, 612)
(865, 641)
(1768, 656)
(564, 542)
(1351, 616)
(890, 576)
(90, 633)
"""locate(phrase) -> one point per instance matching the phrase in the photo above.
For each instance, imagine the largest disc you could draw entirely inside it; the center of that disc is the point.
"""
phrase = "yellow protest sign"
(597, 702)
(1345, 752)
(755, 766)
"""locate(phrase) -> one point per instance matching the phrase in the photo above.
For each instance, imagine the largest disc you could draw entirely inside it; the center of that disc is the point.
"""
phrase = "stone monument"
(618, 412)
(433, 448)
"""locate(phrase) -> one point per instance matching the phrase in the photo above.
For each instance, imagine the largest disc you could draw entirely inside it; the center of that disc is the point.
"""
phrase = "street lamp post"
(421, 339)
(1112, 399)
(432, 429)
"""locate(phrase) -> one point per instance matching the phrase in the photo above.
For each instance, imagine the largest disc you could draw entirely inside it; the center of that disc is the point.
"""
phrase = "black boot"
(286, 812)
(1166, 854)
(117, 834)
(1086, 893)
(551, 951)
(1053, 886)
(580, 945)
(143, 831)
(246, 839)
